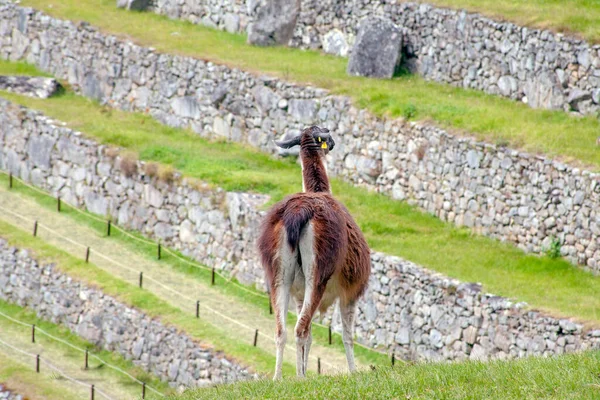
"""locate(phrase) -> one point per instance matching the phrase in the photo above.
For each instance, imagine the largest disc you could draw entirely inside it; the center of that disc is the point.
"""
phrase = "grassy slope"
(390, 226)
(22, 379)
(142, 300)
(259, 303)
(66, 355)
(579, 17)
(487, 117)
(564, 377)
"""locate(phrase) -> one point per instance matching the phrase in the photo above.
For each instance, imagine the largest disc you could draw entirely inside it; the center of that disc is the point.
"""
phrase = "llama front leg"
(348, 311)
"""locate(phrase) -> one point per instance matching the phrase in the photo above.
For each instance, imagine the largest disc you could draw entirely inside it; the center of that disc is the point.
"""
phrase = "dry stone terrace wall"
(545, 69)
(417, 313)
(7, 394)
(113, 326)
(505, 194)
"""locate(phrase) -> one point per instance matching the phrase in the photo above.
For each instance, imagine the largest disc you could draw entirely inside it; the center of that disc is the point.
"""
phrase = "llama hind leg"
(280, 297)
(299, 304)
(313, 295)
(348, 312)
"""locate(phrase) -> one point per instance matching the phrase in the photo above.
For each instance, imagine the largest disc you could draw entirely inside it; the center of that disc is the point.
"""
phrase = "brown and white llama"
(312, 249)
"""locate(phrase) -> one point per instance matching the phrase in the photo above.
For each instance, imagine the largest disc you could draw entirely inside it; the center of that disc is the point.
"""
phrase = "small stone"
(186, 107)
(232, 22)
(576, 96)
(334, 42)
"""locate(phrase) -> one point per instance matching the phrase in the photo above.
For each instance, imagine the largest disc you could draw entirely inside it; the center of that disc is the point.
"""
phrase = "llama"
(312, 249)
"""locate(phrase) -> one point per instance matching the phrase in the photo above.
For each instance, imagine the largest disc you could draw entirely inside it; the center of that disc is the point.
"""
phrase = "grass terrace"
(390, 226)
(251, 306)
(578, 17)
(67, 358)
(490, 118)
(142, 300)
(563, 377)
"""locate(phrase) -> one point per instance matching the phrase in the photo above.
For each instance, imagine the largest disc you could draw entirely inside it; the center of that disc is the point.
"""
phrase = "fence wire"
(149, 242)
(55, 368)
(97, 358)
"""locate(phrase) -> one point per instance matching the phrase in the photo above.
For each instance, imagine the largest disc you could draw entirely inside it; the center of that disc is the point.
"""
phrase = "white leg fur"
(306, 247)
(348, 312)
(284, 279)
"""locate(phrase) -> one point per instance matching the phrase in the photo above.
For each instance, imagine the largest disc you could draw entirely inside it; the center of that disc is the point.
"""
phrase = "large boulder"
(138, 5)
(30, 86)
(377, 49)
(545, 91)
(274, 22)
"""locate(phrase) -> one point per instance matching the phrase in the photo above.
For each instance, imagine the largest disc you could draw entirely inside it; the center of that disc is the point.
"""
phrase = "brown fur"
(342, 261)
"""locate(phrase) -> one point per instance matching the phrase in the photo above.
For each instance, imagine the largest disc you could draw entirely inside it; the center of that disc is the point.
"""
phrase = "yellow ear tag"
(319, 137)
(324, 145)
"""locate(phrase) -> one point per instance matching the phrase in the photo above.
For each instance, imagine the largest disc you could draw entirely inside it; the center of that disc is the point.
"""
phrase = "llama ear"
(286, 144)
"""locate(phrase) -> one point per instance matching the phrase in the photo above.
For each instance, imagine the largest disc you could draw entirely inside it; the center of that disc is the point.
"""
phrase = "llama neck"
(314, 174)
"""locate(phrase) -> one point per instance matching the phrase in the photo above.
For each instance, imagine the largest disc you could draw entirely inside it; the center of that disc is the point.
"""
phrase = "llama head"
(314, 139)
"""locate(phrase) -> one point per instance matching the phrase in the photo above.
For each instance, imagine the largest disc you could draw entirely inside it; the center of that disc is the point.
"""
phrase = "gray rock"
(30, 86)
(473, 159)
(92, 87)
(274, 23)
(576, 96)
(40, 149)
(304, 111)
(334, 42)
(507, 85)
(596, 96)
(377, 50)
(265, 98)
(545, 91)
(186, 107)
(219, 94)
(138, 5)
(232, 23)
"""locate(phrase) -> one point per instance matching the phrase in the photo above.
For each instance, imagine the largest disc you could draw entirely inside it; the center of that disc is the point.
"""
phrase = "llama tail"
(294, 220)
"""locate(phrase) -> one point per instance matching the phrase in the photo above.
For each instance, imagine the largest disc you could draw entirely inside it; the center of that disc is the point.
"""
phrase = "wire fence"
(39, 360)
(37, 330)
(160, 248)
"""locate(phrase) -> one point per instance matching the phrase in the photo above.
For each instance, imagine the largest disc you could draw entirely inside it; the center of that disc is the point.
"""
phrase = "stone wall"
(7, 394)
(539, 67)
(417, 313)
(516, 197)
(113, 326)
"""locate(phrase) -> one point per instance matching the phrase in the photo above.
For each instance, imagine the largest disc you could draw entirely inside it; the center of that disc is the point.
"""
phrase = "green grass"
(578, 17)
(490, 118)
(23, 380)
(563, 377)
(113, 358)
(390, 226)
(260, 303)
(144, 301)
